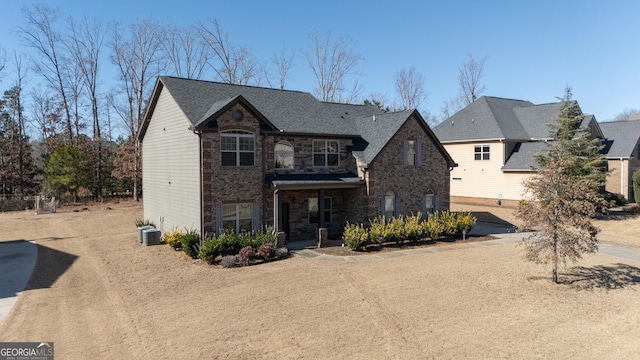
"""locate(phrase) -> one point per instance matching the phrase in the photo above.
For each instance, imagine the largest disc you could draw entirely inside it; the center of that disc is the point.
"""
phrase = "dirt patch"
(97, 293)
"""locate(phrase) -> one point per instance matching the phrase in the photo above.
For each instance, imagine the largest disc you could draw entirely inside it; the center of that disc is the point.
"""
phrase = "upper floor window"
(481, 152)
(237, 148)
(283, 154)
(325, 152)
(412, 153)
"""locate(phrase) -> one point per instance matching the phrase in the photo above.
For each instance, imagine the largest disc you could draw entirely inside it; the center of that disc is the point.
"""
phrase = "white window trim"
(482, 153)
(237, 134)
(237, 217)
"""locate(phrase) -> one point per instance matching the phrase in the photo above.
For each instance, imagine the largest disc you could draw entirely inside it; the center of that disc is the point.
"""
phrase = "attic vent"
(451, 122)
(374, 118)
(473, 120)
(237, 115)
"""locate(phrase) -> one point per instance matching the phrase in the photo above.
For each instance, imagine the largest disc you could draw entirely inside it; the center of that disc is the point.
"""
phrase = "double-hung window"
(481, 152)
(237, 217)
(237, 148)
(325, 152)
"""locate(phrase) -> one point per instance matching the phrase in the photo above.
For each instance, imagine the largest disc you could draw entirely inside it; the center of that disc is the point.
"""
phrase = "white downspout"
(622, 179)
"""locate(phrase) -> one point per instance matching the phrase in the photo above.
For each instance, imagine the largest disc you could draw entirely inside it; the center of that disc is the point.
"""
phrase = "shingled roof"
(621, 137)
(492, 118)
(288, 112)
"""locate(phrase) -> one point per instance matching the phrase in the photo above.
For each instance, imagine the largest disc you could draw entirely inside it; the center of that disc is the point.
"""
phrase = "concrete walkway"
(17, 260)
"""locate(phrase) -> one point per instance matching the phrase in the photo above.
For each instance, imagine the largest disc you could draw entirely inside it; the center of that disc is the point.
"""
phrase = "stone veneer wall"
(409, 183)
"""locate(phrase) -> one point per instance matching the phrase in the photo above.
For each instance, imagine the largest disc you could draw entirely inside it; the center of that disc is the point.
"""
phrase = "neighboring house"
(622, 146)
(494, 141)
(220, 156)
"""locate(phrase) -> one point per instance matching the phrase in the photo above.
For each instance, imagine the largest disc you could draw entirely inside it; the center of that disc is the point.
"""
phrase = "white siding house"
(171, 176)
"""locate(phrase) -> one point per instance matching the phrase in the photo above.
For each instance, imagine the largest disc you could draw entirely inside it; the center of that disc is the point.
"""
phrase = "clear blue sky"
(533, 48)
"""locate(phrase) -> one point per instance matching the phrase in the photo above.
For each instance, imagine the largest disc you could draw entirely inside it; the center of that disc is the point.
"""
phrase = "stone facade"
(229, 185)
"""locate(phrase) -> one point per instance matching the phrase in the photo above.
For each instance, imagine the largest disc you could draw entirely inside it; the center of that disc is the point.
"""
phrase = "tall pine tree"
(565, 193)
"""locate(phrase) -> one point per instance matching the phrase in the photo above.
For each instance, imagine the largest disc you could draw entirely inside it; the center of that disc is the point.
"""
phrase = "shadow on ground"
(617, 276)
(51, 264)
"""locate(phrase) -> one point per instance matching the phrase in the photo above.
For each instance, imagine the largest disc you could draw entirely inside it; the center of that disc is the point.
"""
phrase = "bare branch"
(410, 88)
(471, 73)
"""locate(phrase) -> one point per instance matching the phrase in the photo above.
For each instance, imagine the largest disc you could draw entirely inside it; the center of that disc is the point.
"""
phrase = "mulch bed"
(343, 250)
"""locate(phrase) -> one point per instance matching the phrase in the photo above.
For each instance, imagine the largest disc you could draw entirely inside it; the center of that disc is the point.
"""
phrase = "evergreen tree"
(565, 193)
(66, 169)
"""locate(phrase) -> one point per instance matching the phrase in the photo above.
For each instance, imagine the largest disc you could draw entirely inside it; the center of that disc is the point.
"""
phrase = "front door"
(285, 219)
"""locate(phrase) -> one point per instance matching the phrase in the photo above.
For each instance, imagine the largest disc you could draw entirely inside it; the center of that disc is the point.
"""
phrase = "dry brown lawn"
(97, 293)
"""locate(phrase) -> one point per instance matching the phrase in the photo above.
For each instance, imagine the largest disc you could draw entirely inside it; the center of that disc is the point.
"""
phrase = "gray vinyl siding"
(171, 169)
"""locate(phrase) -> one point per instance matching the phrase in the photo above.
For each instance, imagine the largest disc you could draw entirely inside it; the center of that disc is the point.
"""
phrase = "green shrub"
(190, 242)
(172, 238)
(412, 229)
(355, 236)
(209, 250)
(228, 261)
(449, 223)
(229, 243)
(394, 230)
(465, 222)
(377, 231)
(432, 227)
(145, 222)
(244, 255)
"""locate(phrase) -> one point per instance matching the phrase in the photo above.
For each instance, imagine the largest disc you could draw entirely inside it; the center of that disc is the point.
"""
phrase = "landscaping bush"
(229, 243)
(210, 250)
(377, 231)
(190, 242)
(412, 229)
(245, 255)
(465, 222)
(433, 228)
(267, 251)
(172, 238)
(228, 261)
(145, 222)
(355, 236)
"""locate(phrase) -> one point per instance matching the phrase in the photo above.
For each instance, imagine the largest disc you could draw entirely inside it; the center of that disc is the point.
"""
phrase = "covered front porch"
(304, 203)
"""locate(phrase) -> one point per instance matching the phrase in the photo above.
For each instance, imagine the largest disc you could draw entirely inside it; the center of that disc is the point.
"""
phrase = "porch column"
(276, 210)
(321, 219)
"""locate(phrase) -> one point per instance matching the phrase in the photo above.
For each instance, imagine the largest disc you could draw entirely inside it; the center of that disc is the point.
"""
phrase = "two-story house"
(239, 157)
(622, 148)
(494, 140)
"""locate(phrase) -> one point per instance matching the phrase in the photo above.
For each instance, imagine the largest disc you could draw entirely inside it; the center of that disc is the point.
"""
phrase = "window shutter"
(382, 207)
(397, 207)
(423, 207)
(418, 153)
(218, 218)
(406, 150)
(436, 203)
(255, 219)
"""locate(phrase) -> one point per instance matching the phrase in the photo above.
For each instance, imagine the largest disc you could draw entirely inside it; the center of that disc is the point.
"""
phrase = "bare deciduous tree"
(471, 73)
(183, 48)
(40, 34)
(410, 88)
(232, 64)
(283, 63)
(138, 60)
(628, 114)
(85, 46)
(331, 61)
